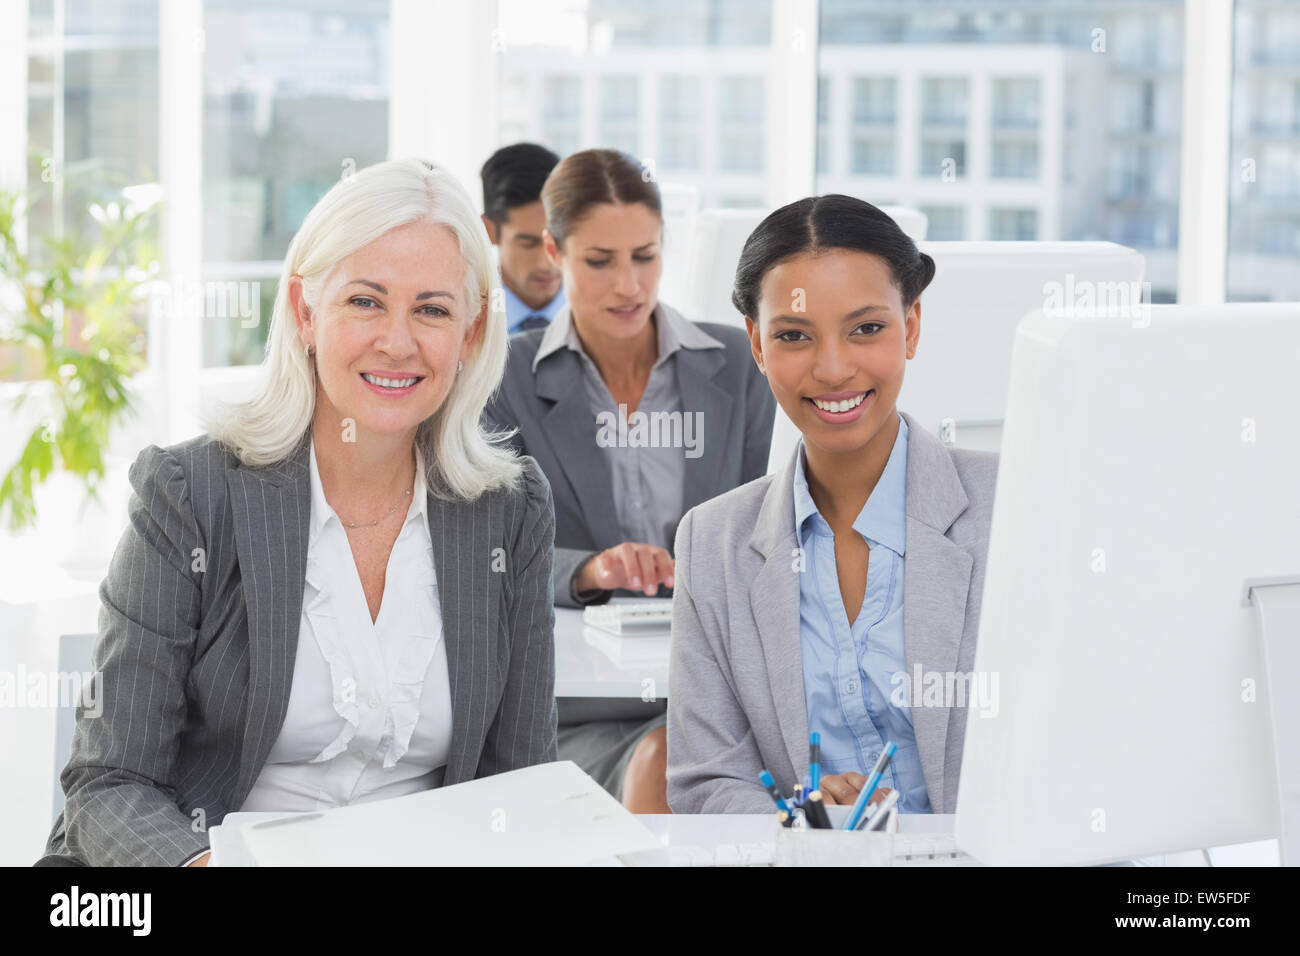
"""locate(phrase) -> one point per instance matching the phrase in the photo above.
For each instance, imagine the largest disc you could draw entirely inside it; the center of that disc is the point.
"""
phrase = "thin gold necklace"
(371, 524)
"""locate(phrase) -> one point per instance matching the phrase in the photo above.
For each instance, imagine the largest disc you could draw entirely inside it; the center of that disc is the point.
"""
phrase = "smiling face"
(833, 339)
(389, 326)
(611, 263)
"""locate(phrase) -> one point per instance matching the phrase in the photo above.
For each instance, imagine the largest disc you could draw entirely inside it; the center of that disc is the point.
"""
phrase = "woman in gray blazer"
(343, 591)
(635, 413)
(790, 613)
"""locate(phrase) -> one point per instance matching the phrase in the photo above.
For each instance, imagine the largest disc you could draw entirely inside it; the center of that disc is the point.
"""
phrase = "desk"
(704, 831)
(709, 831)
(592, 663)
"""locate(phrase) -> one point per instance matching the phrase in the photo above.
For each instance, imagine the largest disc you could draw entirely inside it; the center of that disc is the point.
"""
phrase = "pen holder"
(796, 847)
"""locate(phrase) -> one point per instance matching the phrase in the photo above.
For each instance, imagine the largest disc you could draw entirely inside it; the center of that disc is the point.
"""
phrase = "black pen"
(815, 809)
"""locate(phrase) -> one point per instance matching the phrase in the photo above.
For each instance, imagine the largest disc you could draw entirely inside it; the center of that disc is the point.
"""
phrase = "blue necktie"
(533, 322)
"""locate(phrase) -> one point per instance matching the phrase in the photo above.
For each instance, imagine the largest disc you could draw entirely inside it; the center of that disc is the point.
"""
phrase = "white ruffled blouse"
(370, 707)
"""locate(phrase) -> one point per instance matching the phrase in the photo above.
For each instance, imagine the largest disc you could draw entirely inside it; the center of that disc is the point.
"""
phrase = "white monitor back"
(981, 290)
(1146, 472)
(681, 209)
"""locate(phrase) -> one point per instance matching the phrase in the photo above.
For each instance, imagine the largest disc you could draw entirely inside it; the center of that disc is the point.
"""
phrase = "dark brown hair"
(594, 176)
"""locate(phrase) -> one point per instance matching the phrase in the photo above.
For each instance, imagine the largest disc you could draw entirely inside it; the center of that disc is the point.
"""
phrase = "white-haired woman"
(342, 592)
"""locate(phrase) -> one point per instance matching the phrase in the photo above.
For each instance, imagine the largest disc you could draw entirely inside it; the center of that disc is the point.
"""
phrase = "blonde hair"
(462, 461)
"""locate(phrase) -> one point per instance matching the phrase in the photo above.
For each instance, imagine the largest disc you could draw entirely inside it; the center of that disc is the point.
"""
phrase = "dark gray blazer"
(555, 426)
(198, 633)
(736, 668)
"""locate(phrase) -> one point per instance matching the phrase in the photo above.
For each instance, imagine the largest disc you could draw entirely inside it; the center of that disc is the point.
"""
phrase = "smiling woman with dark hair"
(790, 613)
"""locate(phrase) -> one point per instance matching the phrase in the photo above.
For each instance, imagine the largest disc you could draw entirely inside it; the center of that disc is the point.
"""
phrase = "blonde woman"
(342, 592)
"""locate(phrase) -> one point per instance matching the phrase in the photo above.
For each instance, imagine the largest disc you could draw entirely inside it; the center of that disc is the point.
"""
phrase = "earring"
(307, 349)
(459, 366)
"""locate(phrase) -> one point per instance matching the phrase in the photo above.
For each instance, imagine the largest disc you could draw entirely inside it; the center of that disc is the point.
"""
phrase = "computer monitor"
(981, 290)
(1150, 469)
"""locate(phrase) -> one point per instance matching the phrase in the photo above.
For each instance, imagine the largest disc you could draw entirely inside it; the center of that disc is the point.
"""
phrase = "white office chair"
(74, 658)
(681, 207)
(720, 235)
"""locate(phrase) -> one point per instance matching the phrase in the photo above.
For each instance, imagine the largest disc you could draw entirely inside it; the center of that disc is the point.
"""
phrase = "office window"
(945, 223)
(943, 123)
(680, 117)
(1016, 103)
(942, 157)
(294, 97)
(1009, 79)
(92, 125)
(741, 108)
(700, 69)
(561, 113)
(742, 201)
(943, 101)
(1014, 159)
(1013, 224)
(873, 145)
(873, 155)
(875, 100)
(823, 123)
(1146, 36)
(1264, 164)
(620, 113)
(1136, 170)
(675, 23)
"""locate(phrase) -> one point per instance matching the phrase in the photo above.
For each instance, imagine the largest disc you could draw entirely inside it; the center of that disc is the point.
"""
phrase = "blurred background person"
(514, 217)
(636, 414)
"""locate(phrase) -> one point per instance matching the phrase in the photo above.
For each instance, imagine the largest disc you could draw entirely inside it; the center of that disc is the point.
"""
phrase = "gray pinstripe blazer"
(197, 647)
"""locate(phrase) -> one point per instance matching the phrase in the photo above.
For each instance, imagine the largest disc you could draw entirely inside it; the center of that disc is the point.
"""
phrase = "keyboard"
(631, 618)
(910, 849)
(930, 849)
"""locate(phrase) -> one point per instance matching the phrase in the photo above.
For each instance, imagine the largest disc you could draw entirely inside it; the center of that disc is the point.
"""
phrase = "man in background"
(514, 217)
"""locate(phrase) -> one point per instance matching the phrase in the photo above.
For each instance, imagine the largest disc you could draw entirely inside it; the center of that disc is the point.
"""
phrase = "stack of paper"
(548, 815)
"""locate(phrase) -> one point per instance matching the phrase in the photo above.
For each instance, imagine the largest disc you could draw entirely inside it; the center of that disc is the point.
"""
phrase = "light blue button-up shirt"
(848, 669)
(517, 309)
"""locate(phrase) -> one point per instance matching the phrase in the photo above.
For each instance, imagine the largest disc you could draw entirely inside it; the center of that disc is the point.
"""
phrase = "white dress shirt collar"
(672, 329)
(322, 513)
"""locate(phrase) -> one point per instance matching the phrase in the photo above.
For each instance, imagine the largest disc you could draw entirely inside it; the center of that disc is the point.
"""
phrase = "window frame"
(417, 119)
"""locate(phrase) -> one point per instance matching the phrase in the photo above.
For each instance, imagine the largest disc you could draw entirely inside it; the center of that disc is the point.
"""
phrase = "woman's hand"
(203, 860)
(842, 789)
(629, 565)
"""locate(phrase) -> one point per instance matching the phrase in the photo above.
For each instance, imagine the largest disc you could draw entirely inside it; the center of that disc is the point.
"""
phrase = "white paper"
(548, 815)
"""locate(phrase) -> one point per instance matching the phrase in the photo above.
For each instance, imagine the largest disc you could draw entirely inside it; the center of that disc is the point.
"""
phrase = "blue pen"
(815, 762)
(861, 803)
(766, 780)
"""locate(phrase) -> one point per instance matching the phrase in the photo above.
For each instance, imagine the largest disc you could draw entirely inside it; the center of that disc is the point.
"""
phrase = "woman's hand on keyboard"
(843, 789)
(630, 565)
